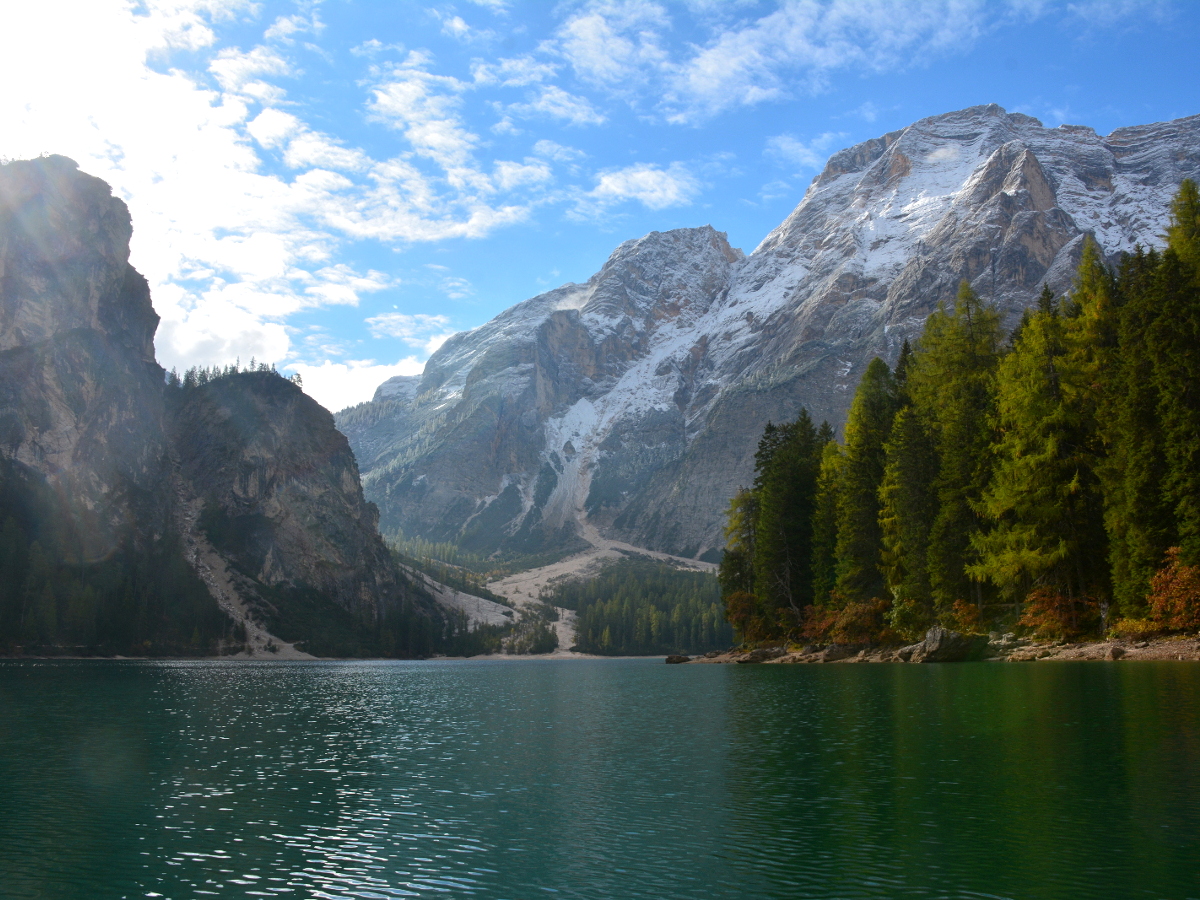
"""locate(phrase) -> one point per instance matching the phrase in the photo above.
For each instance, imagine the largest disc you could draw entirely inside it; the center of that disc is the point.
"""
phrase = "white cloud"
(424, 107)
(511, 175)
(650, 185)
(557, 152)
(793, 152)
(867, 111)
(626, 47)
(456, 27)
(554, 102)
(614, 42)
(426, 332)
(241, 209)
(338, 385)
(456, 289)
(512, 72)
(285, 26)
(238, 71)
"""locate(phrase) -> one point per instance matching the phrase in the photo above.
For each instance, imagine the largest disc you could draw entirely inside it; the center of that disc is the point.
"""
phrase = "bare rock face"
(140, 517)
(80, 393)
(633, 403)
(280, 493)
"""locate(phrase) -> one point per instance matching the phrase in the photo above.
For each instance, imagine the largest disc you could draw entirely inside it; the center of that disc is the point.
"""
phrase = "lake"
(598, 779)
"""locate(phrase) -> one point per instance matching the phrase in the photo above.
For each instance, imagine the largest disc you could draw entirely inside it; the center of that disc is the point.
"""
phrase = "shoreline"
(1182, 648)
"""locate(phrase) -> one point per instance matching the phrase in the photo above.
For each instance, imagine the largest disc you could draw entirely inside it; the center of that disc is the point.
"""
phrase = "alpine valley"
(628, 408)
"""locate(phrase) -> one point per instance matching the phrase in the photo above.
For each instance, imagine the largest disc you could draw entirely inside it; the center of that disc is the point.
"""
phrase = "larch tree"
(951, 382)
(859, 576)
(1043, 501)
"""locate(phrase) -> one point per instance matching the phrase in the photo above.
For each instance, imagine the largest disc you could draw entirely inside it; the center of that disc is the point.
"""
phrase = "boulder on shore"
(941, 645)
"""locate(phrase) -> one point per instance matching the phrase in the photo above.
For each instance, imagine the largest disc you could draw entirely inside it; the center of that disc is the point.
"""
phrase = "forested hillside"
(1047, 479)
(641, 606)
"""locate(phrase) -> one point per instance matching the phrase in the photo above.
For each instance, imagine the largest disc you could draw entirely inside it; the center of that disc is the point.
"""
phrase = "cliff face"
(273, 487)
(80, 393)
(138, 517)
(634, 402)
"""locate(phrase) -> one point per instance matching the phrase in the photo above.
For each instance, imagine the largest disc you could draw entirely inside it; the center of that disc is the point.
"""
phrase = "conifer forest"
(1046, 480)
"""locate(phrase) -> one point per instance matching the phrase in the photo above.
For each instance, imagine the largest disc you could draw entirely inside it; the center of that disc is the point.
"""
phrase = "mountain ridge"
(634, 401)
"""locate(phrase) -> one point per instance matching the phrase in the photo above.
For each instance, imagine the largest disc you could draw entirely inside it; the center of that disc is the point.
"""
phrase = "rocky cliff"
(141, 517)
(634, 402)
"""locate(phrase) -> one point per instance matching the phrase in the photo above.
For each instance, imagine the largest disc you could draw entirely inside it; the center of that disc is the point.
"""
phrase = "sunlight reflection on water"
(601, 779)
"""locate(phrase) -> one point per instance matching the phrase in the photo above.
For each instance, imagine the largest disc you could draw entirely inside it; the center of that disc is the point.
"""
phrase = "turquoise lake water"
(598, 779)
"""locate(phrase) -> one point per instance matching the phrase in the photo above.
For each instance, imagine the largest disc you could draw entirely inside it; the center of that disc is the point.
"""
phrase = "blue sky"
(336, 185)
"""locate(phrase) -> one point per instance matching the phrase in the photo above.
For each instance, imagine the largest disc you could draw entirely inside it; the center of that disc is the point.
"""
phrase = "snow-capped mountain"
(635, 401)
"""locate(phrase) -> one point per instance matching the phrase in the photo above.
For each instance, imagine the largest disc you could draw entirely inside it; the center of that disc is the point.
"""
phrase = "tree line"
(644, 607)
(198, 376)
(1048, 479)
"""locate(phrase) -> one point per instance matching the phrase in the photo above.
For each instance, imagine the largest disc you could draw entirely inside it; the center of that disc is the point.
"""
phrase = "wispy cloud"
(795, 153)
(425, 332)
(653, 186)
(555, 103)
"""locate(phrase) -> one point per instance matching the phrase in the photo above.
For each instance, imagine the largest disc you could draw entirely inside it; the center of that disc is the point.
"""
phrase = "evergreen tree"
(908, 507)
(1138, 522)
(859, 577)
(1176, 338)
(950, 382)
(825, 523)
(736, 572)
(786, 487)
(1044, 500)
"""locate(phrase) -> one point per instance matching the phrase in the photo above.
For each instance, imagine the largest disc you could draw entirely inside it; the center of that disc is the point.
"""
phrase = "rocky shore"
(941, 645)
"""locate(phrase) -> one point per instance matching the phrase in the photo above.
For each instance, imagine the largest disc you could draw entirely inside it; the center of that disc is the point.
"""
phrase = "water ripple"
(607, 779)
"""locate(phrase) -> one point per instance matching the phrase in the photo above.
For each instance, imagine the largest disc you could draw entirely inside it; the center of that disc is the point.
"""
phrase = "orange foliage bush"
(963, 617)
(1175, 595)
(741, 612)
(855, 623)
(1050, 615)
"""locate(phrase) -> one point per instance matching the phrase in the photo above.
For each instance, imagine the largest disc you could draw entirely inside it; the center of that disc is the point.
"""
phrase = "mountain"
(142, 517)
(633, 403)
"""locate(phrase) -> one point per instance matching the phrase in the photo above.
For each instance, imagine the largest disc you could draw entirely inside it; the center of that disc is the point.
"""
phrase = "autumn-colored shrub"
(963, 617)
(741, 611)
(1136, 629)
(1053, 616)
(817, 624)
(854, 623)
(1175, 595)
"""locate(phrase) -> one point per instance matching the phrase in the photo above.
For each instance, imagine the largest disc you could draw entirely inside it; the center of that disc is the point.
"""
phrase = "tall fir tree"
(1043, 501)
(1176, 338)
(736, 572)
(1138, 520)
(907, 510)
(859, 576)
(951, 383)
(825, 523)
(786, 488)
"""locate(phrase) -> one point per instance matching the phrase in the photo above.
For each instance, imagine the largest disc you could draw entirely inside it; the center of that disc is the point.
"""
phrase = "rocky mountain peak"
(661, 371)
(64, 258)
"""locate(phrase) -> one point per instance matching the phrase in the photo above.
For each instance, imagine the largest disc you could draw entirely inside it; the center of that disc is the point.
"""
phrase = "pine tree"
(1044, 500)
(825, 523)
(908, 507)
(950, 382)
(1138, 521)
(736, 572)
(868, 425)
(1176, 338)
(786, 487)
